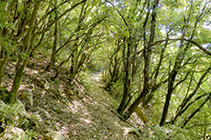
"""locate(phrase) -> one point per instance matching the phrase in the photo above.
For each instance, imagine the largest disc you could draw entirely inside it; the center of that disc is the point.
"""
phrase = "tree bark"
(27, 48)
(53, 53)
(147, 59)
(126, 90)
(184, 105)
(171, 80)
(196, 111)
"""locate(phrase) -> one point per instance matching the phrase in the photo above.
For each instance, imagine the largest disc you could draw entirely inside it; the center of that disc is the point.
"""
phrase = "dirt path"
(87, 116)
(94, 119)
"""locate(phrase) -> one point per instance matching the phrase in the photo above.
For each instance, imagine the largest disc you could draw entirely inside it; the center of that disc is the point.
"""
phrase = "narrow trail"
(95, 118)
(84, 116)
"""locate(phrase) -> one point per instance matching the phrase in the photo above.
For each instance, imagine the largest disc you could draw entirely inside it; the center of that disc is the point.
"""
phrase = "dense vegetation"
(154, 55)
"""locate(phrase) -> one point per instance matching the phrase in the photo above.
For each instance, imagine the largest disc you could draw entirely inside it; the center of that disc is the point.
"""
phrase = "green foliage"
(6, 43)
(95, 66)
(5, 18)
(86, 79)
(94, 37)
(12, 114)
(31, 135)
(16, 116)
(168, 132)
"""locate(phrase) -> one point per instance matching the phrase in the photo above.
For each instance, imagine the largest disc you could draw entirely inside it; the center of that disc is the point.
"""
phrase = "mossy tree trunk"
(147, 58)
(28, 41)
(52, 61)
(191, 115)
(26, 48)
(78, 43)
(6, 45)
(186, 103)
(127, 69)
(2, 65)
(114, 67)
(183, 48)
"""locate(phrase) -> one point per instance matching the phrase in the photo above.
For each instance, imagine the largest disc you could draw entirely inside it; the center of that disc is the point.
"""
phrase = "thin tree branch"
(176, 39)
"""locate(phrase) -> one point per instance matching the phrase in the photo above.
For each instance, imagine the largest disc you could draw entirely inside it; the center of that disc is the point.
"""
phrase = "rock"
(54, 135)
(15, 133)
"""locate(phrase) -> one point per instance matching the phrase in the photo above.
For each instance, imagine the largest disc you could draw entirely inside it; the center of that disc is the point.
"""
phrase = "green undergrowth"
(168, 132)
(15, 117)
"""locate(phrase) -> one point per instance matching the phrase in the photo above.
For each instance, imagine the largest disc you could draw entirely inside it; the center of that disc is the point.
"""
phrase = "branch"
(198, 125)
(196, 111)
(176, 39)
(182, 80)
(62, 15)
(120, 15)
(49, 12)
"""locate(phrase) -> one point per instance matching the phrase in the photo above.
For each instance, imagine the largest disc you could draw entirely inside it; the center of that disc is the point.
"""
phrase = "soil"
(85, 112)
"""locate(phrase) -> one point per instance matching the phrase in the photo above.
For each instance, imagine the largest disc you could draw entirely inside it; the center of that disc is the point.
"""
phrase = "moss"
(3, 95)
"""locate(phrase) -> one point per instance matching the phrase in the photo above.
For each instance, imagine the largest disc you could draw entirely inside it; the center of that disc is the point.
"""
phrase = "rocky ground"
(84, 113)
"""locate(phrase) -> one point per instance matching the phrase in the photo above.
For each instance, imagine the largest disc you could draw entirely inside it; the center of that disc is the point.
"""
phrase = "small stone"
(16, 133)
(54, 135)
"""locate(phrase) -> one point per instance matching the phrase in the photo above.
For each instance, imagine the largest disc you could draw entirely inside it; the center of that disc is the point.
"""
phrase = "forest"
(105, 69)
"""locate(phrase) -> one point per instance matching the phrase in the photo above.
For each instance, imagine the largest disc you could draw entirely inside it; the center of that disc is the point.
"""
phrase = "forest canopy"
(154, 55)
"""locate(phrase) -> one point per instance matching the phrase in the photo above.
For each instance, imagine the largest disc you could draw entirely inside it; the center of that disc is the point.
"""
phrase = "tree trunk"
(196, 111)
(126, 90)
(22, 62)
(4, 55)
(52, 61)
(177, 66)
(2, 64)
(168, 97)
(184, 105)
(16, 84)
(147, 58)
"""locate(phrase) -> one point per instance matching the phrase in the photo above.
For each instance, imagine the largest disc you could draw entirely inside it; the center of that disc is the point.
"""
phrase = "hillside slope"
(78, 113)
